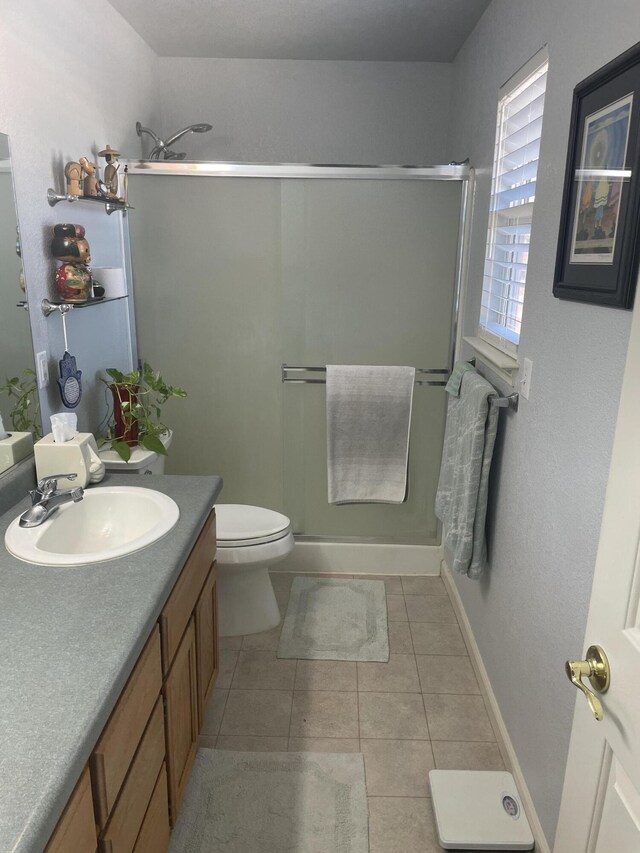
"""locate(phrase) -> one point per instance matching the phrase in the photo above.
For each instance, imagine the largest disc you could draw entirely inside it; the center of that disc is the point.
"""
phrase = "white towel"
(368, 423)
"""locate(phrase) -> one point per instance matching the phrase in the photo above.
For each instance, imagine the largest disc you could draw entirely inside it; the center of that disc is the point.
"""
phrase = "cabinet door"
(154, 834)
(76, 829)
(207, 642)
(181, 705)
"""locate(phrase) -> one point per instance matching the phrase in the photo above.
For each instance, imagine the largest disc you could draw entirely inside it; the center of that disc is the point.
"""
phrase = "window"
(513, 191)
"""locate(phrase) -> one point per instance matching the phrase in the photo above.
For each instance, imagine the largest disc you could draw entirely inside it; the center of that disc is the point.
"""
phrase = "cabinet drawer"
(207, 642)
(181, 698)
(178, 609)
(154, 835)
(76, 829)
(117, 745)
(127, 817)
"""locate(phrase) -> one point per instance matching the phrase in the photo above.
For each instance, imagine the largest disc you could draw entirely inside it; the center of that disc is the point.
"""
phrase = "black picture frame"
(599, 239)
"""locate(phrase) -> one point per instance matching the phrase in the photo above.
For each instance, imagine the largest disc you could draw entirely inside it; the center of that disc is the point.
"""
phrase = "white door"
(600, 811)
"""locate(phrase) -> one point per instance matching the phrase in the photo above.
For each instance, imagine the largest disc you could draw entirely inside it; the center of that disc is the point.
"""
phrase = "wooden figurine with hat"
(111, 170)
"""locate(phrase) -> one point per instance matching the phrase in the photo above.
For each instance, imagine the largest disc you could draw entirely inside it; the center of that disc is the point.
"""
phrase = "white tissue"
(3, 432)
(64, 426)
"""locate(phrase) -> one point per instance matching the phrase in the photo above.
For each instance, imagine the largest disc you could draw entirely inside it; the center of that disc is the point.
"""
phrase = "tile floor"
(421, 710)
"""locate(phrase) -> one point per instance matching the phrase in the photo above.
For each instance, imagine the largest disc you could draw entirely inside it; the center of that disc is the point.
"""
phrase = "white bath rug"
(335, 619)
(273, 802)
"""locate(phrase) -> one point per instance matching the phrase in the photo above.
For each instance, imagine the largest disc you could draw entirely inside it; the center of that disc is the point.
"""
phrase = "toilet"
(250, 540)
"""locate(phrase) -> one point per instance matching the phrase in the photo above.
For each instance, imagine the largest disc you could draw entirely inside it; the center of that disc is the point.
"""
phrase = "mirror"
(19, 405)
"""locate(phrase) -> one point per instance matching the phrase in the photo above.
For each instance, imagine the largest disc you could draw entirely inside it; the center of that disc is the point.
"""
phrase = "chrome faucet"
(45, 500)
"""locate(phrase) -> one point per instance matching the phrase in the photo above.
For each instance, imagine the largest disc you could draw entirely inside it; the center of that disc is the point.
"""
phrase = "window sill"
(506, 366)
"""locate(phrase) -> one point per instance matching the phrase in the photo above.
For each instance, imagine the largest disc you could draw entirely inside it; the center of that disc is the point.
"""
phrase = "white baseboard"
(502, 735)
(356, 558)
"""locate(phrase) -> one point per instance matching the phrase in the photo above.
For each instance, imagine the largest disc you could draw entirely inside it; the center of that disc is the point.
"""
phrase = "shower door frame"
(458, 172)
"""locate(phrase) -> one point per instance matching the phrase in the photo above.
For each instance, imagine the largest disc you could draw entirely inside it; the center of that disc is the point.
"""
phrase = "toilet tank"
(141, 462)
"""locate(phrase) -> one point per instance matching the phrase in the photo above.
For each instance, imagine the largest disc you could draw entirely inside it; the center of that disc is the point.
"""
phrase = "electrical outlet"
(42, 369)
(525, 381)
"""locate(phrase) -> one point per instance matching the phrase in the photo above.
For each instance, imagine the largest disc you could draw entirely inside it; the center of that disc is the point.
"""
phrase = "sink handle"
(48, 485)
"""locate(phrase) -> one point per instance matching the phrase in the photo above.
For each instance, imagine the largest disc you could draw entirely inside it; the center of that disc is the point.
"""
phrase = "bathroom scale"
(479, 810)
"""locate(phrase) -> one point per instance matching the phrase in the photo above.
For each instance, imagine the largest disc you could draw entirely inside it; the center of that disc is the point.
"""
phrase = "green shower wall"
(234, 276)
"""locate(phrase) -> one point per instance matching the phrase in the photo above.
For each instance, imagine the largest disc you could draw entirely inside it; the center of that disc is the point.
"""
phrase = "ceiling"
(378, 30)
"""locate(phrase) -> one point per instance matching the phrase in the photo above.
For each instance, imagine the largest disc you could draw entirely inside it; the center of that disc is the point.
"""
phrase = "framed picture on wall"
(599, 240)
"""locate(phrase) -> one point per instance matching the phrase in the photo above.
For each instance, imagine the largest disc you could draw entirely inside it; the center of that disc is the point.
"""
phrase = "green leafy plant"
(23, 394)
(139, 396)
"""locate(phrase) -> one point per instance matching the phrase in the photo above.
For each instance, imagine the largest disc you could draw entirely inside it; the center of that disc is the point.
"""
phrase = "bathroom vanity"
(118, 660)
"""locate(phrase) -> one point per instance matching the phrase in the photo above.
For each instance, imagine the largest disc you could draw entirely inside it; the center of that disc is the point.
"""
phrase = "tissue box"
(13, 448)
(78, 455)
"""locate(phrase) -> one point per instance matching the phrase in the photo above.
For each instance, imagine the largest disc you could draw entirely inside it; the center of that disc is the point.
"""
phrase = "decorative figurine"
(73, 174)
(73, 277)
(90, 181)
(111, 170)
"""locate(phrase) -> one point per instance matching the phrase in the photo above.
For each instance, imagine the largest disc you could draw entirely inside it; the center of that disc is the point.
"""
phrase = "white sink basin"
(109, 522)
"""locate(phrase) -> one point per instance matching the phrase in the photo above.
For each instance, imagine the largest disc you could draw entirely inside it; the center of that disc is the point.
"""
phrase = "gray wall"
(529, 614)
(73, 76)
(308, 111)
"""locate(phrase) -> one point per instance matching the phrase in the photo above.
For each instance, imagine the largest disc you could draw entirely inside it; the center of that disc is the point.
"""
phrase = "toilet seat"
(240, 525)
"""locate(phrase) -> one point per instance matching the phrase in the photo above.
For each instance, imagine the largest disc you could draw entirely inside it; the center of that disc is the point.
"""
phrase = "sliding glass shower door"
(235, 276)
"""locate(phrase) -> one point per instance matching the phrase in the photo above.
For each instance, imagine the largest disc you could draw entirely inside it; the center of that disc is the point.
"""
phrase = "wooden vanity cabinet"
(130, 796)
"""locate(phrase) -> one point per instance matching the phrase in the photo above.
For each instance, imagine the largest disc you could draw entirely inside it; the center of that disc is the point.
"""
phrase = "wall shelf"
(109, 204)
(48, 307)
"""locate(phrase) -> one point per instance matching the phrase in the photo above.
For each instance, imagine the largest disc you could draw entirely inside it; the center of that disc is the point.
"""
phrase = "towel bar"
(510, 401)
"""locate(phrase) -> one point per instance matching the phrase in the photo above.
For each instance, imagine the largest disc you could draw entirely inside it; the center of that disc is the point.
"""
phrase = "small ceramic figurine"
(73, 174)
(73, 283)
(73, 278)
(111, 170)
(90, 182)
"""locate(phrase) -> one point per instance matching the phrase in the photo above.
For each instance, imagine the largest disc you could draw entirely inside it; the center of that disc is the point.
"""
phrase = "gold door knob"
(596, 669)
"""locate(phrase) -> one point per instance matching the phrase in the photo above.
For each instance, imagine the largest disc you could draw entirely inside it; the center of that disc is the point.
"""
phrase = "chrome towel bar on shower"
(510, 401)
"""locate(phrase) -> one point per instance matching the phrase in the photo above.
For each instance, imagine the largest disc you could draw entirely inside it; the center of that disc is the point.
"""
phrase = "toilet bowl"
(250, 540)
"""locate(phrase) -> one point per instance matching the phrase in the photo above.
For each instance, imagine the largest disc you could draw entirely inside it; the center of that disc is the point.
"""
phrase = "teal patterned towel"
(463, 490)
(453, 385)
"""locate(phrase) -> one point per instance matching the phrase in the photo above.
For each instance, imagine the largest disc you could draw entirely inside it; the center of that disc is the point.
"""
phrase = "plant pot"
(126, 426)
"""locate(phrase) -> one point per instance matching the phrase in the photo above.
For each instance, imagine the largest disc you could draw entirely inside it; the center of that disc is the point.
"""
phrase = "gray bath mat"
(273, 802)
(334, 619)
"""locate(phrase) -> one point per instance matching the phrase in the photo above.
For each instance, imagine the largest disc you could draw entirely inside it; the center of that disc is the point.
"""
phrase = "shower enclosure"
(239, 270)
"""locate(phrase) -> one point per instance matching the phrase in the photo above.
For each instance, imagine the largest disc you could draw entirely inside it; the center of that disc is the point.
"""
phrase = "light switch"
(42, 369)
(525, 381)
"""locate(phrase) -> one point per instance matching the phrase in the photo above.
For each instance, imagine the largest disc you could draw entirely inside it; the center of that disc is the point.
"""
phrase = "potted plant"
(23, 394)
(138, 398)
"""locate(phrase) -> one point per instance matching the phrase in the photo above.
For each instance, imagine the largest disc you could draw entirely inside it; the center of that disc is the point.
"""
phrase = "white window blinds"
(513, 192)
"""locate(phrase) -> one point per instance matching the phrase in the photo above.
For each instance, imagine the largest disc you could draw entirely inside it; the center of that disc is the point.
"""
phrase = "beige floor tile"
(399, 675)
(214, 712)
(324, 744)
(423, 586)
(396, 610)
(207, 741)
(429, 608)
(264, 641)
(457, 717)
(397, 768)
(392, 583)
(326, 675)
(457, 755)
(228, 660)
(257, 712)
(318, 713)
(401, 825)
(392, 715)
(263, 671)
(437, 638)
(251, 743)
(446, 674)
(400, 638)
(234, 643)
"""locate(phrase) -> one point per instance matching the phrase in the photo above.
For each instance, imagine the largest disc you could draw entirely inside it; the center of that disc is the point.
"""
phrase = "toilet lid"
(239, 524)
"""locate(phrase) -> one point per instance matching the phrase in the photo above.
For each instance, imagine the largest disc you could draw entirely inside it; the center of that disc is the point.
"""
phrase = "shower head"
(164, 148)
